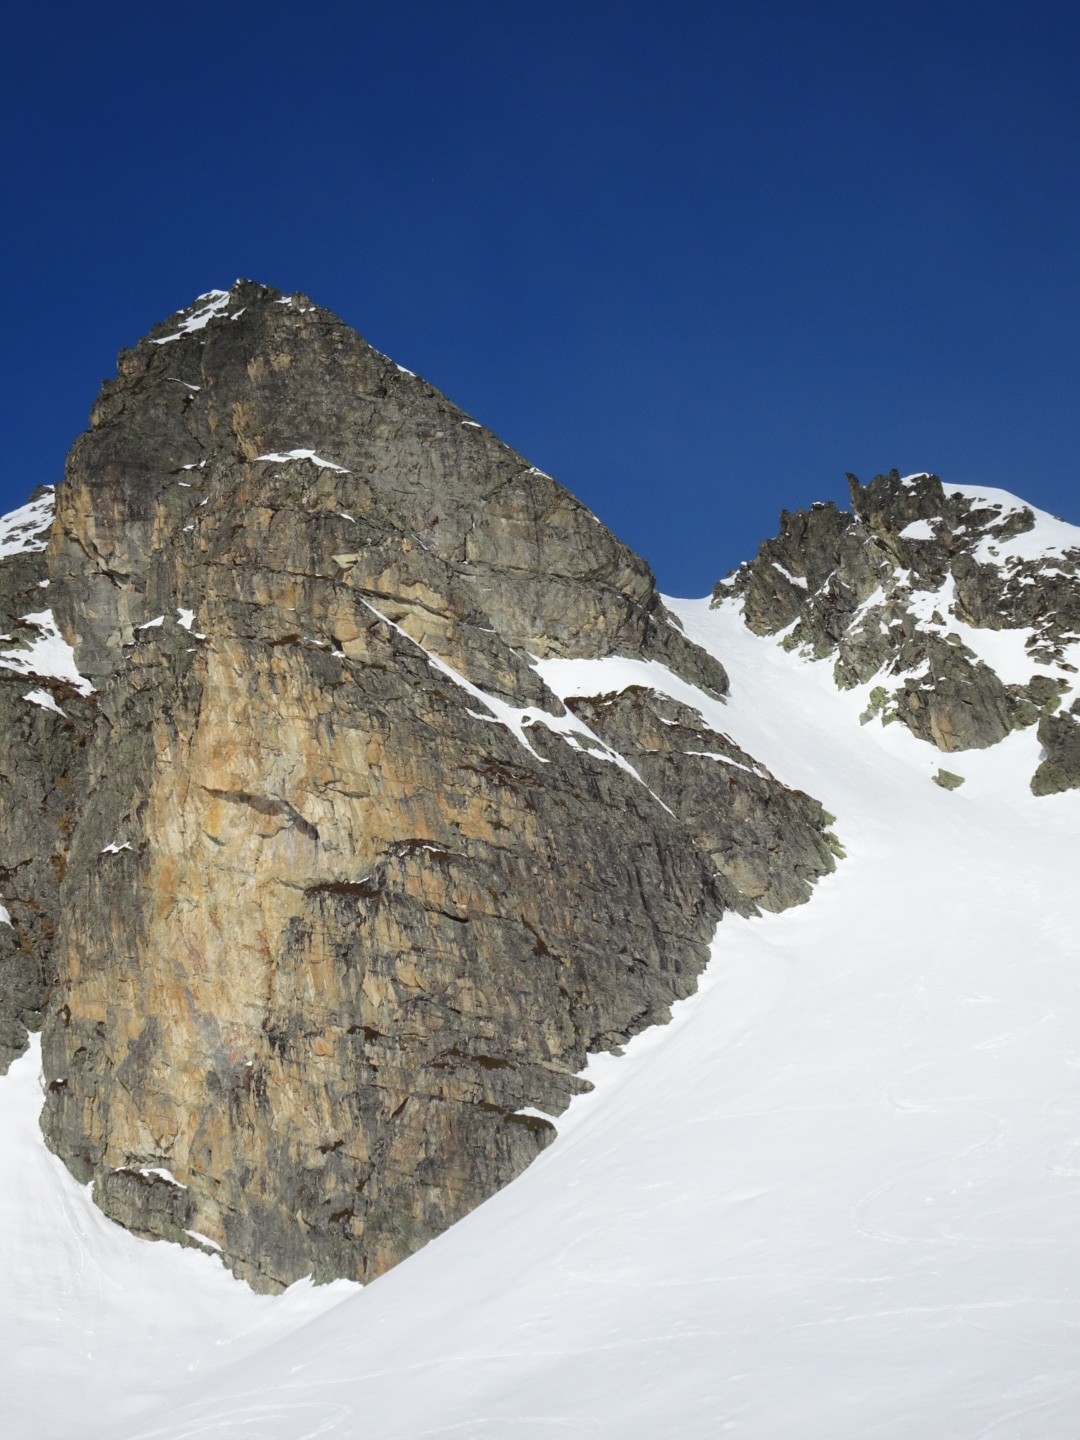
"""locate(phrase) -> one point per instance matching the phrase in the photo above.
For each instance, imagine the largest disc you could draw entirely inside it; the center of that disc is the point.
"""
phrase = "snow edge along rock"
(340, 901)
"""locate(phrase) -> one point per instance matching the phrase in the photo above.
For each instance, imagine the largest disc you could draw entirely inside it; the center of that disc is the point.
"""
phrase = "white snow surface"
(27, 528)
(793, 579)
(47, 657)
(206, 308)
(280, 458)
(97, 1327)
(917, 530)
(835, 1199)
(1049, 537)
(162, 1172)
(43, 699)
(1005, 651)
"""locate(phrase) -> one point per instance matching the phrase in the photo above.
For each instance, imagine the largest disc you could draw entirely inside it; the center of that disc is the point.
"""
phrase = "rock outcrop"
(957, 611)
(768, 841)
(45, 716)
(345, 893)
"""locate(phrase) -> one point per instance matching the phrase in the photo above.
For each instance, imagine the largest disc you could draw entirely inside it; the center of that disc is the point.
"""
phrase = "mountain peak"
(395, 790)
(954, 611)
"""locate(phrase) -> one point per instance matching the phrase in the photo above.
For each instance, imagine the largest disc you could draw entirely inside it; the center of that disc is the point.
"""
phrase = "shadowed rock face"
(43, 723)
(769, 843)
(886, 589)
(345, 891)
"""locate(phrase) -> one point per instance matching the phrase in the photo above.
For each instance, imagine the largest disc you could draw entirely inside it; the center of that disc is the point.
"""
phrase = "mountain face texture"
(44, 724)
(323, 893)
(958, 609)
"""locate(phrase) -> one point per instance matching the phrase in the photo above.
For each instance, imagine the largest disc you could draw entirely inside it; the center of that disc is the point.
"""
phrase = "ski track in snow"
(835, 1199)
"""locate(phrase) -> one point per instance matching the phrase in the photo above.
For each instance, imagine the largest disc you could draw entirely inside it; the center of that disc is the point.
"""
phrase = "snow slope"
(836, 1199)
(95, 1324)
(26, 529)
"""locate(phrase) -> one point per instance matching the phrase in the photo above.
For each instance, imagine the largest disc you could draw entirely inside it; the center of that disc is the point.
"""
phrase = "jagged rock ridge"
(345, 892)
(960, 610)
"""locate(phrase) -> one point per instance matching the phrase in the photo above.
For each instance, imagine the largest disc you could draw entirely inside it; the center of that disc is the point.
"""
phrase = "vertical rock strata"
(347, 893)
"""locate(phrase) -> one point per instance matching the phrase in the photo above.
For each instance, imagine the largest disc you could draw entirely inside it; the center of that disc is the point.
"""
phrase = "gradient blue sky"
(696, 260)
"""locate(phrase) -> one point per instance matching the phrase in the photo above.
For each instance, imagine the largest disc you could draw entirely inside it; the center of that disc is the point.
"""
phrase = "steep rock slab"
(769, 842)
(350, 894)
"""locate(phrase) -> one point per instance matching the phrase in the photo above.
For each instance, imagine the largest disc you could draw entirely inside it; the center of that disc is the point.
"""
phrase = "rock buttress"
(350, 893)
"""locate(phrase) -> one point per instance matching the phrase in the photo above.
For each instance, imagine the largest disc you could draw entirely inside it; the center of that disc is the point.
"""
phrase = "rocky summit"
(957, 611)
(317, 887)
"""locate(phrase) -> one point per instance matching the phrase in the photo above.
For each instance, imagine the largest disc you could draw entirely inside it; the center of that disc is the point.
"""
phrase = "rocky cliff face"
(333, 893)
(958, 610)
(44, 718)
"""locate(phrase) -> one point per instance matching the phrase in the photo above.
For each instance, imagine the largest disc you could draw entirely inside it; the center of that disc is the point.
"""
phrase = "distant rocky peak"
(956, 610)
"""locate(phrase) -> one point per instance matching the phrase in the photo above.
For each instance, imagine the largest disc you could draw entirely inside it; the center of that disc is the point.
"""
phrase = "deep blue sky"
(696, 260)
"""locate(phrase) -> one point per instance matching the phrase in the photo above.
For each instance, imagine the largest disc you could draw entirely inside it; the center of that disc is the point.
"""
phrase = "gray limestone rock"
(43, 723)
(769, 843)
(1059, 769)
(948, 780)
(894, 593)
(341, 893)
